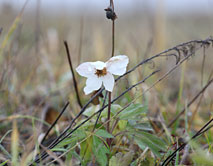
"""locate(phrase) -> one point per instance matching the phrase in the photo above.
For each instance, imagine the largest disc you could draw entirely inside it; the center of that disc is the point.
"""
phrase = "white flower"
(99, 72)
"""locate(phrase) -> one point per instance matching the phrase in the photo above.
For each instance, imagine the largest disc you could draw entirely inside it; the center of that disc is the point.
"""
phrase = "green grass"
(35, 85)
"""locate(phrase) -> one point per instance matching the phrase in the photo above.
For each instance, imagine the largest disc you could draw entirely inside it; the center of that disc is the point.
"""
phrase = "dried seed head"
(110, 14)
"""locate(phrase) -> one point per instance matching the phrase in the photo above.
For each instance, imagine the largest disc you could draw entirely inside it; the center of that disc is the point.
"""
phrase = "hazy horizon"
(77, 6)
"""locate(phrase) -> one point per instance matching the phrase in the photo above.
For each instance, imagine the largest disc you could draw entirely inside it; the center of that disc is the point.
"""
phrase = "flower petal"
(99, 65)
(108, 81)
(117, 64)
(86, 69)
(92, 84)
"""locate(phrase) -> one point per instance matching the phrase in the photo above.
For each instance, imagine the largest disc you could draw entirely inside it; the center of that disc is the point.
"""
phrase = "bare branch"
(73, 74)
(201, 131)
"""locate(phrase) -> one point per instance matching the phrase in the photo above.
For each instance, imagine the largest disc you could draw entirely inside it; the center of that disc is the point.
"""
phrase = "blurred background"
(138, 20)
(35, 77)
(34, 61)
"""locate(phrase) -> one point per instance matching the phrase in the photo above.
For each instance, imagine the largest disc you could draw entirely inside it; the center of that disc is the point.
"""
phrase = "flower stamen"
(101, 73)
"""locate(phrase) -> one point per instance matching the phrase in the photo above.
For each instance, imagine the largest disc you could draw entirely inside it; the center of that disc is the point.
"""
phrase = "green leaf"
(2, 164)
(67, 141)
(94, 108)
(77, 136)
(156, 140)
(142, 126)
(133, 112)
(122, 124)
(86, 149)
(140, 143)
(59, 149)
(121, 159)
(134, 163)
(91, 110)
(69, 158)
(100, 151)
(5, 151)
(114, 109)
(103, 133)
(144, 139)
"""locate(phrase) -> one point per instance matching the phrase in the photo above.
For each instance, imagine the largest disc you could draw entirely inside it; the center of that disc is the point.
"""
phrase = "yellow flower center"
(101, 73)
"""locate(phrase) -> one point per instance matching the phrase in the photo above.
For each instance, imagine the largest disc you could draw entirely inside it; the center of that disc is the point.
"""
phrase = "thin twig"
(122, 94)
(54, 123)
(189, 104)
(113, 37)
(199, 102)
(113, 28)
(203, 64)
(73, 74)
(69, 127)
(50, 153)
(108, 117)
(114, 125)
(59, 139)
(205, 130)
(135, 67)
(201, 131)
(112, 4)
(96, 122)
(162, 54)
(110, 94)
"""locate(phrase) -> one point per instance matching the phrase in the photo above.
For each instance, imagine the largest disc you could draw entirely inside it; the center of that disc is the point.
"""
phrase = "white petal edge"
(108, 81)
(117, 65)
(99, 65)
(86, 69)
(92, 84)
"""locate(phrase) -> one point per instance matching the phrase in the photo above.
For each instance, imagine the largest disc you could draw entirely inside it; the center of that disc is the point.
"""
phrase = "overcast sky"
(174, 6)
